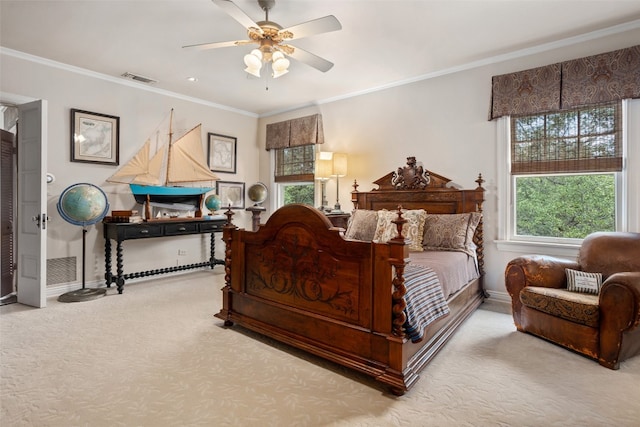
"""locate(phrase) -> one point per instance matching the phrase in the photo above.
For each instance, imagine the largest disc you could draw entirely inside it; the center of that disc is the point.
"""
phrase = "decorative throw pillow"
(362, 225)
(451, 232)
(581, 281)
(412, 230)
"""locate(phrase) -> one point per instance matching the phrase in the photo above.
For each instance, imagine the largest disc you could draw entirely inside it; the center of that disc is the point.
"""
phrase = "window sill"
(554, 249)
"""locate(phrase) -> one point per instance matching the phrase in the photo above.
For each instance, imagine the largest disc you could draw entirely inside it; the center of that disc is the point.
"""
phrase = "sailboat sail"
(167, 172)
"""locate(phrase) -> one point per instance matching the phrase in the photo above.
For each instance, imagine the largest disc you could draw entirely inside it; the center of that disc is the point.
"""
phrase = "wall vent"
(139, 78)
(61, 270)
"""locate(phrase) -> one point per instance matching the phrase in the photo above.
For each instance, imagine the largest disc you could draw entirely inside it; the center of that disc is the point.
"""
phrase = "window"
(294, 174)
(565, 173)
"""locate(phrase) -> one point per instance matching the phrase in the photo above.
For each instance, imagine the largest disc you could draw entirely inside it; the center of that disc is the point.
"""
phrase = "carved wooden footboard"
(297, 280)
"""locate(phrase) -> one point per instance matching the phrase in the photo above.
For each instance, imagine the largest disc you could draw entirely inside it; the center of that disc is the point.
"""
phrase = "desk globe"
(258, 193)
(83, 204)
(213, 202)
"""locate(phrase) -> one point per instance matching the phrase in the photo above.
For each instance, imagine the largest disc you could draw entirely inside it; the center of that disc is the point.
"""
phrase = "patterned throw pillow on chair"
(580, 281)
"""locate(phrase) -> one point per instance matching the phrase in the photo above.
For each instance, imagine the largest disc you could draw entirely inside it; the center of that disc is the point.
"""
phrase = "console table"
(127, 231)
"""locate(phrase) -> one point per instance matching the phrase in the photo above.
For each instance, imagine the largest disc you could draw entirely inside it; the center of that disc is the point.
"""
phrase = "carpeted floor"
(156, 356)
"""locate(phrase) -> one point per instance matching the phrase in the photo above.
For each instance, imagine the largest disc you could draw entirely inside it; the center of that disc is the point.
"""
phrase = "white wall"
(140, 112)
(443, 122)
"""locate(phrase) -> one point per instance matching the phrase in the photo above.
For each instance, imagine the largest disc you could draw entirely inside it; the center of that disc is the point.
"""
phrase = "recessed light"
(192, 79)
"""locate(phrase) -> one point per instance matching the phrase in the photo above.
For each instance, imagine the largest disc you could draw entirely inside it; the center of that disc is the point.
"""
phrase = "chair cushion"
(576, 307)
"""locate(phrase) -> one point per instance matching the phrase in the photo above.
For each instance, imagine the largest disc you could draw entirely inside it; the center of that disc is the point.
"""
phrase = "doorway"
(8, 174)
(24, 232)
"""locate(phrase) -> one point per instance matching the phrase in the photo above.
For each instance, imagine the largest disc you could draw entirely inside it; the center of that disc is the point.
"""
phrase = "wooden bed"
(298, 280)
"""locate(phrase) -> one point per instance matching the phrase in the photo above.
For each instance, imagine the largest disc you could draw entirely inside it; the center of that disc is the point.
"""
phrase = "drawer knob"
(182, 229)
(144, 231)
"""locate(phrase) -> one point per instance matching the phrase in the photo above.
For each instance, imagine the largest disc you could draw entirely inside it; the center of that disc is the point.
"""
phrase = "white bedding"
(454, 269)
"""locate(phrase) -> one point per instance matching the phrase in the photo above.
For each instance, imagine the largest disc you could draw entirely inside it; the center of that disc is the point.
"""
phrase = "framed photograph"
(95, 138)
(222, 153)
(231, 194)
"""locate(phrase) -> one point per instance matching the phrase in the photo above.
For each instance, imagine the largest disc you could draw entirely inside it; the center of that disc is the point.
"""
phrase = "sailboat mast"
(166, 177)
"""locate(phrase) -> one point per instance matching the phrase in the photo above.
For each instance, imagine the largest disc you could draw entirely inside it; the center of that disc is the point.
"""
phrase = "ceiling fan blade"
(310, 59)
(205, 46)
(236, 13)
(317, 26)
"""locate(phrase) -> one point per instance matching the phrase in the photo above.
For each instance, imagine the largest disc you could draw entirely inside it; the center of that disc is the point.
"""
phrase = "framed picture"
(95, 138)
(222, 153)
(231, 194)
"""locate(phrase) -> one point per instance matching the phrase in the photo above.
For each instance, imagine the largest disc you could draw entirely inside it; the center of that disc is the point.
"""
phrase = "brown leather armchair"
(604, 327)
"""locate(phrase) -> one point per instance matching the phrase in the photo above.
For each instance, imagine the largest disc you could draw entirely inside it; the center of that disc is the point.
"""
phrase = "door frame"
(35, 292)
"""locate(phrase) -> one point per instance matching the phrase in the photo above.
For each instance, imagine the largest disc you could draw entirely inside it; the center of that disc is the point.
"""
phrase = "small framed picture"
(231, 194)
(222, 153)
(95, 138)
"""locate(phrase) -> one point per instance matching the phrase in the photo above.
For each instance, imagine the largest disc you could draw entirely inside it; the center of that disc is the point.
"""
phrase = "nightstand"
(339, 219)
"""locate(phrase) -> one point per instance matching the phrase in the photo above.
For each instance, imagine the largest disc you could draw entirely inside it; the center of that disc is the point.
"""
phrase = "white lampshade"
(324, 169)
(277, 74)
(280, 64)
(253, 61)
(257, 53)
(324, 155)
(277, 55)
(339, 164)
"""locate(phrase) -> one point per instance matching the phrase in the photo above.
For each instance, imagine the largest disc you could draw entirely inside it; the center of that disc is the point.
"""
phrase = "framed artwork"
(231, 194)
(222, 153)
(95, 138)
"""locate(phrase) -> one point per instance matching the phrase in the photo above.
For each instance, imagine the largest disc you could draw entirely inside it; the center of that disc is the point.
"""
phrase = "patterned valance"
(537, 89)
(601, 78)
(592, 80)
(296, 132)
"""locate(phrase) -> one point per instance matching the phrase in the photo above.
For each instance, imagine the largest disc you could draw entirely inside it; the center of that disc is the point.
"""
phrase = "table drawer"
(182, 228)
(142, 231)
(211, 226)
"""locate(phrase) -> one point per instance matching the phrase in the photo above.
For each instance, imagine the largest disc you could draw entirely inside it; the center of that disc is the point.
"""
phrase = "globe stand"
(84, 294)
(68, 198)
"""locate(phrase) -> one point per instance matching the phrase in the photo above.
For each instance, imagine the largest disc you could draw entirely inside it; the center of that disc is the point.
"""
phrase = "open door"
(32, 204)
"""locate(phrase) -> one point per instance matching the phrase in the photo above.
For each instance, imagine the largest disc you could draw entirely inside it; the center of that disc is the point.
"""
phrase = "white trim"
(507, 241)
(497, 301)
(554, 249)
(504, 177)
(569, 41)
(118, 80)
(622, 179)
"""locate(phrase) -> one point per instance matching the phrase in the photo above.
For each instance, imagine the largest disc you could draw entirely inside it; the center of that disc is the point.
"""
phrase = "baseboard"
(57, 290)
(498, 301)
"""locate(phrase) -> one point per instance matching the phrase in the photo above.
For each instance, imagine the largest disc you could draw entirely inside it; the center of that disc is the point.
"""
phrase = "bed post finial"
(354, 194)
(399, 222)
(229, 214)
(479, 181)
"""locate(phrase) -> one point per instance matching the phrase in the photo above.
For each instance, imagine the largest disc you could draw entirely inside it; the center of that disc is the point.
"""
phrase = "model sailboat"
(162, 177)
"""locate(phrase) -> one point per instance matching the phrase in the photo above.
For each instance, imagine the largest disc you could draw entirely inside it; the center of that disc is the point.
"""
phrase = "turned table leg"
(119, 268)
(107, 262)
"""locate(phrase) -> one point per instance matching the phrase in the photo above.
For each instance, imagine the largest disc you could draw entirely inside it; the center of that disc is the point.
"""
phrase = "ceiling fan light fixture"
(280, 73)
(253, 71)
(253, 61)
(270, 37)
(280, 65)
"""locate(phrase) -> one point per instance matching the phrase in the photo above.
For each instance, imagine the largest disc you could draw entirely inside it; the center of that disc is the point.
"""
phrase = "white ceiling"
(381, 42)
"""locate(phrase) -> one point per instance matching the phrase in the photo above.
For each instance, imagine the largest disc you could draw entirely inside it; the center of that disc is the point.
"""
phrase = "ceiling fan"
(272, 39)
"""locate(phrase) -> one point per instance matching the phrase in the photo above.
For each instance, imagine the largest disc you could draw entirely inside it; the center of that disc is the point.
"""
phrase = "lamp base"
(84, 294)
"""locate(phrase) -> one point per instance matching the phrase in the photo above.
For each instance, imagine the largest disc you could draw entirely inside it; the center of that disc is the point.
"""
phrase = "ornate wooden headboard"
(414, 187)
